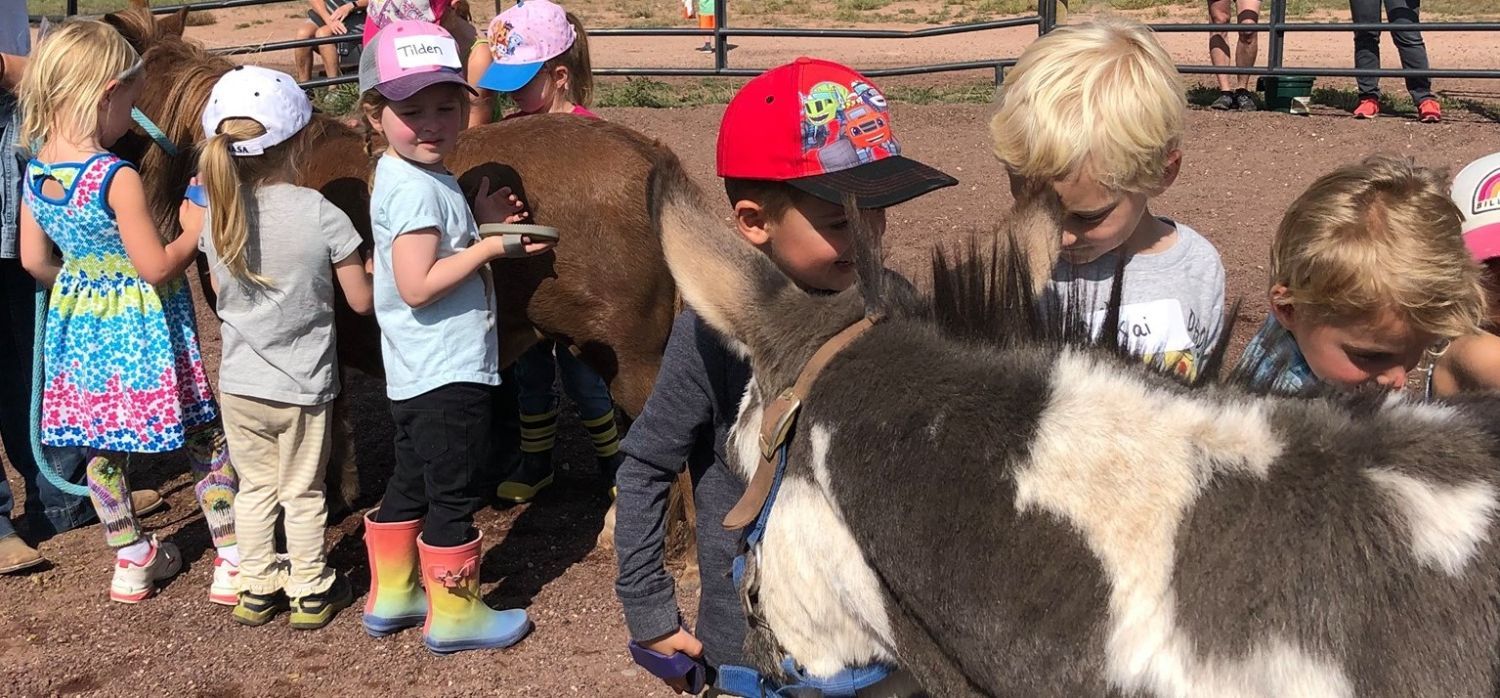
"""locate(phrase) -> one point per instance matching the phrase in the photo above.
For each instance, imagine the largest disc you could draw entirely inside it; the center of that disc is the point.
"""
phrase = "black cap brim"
(880, 184)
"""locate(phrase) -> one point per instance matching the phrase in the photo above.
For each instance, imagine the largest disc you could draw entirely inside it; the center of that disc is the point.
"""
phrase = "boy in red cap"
(793, 143)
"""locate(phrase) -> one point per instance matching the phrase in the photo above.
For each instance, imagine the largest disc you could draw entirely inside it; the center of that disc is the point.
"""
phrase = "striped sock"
(604, 434)
(538, 432)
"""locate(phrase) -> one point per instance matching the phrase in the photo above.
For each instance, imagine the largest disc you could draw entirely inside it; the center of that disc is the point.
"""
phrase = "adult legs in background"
(1410, 45)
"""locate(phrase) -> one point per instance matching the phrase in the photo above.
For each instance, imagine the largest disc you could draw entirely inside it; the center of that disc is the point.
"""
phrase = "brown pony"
(605, 293)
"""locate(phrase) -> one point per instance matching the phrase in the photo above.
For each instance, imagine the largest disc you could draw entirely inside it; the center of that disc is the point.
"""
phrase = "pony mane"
(991, 297)
(182, 74)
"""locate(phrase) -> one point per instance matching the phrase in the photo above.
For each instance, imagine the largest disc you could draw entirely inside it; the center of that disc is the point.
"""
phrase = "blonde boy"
(1369, 273)
(1096, 109)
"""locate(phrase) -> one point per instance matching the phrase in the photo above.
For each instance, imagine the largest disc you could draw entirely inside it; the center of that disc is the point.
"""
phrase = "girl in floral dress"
(123, 372)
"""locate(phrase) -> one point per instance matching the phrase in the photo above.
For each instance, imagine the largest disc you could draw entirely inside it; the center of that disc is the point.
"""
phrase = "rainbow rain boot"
(396, 601)
(457, 618)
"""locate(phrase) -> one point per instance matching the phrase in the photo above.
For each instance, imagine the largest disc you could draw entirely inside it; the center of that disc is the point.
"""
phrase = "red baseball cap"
(824, 129)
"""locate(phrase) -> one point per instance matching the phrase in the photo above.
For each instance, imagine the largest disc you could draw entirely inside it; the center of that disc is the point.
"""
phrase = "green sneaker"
(314, 611)
(258, 609)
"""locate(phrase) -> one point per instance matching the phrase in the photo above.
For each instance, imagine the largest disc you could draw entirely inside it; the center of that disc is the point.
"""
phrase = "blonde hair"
(1381, 235)
(66, 79)
(1100, 98)
(228, 179)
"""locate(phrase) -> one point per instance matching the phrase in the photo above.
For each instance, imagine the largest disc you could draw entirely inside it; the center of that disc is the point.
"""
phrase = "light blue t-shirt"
(452, 339)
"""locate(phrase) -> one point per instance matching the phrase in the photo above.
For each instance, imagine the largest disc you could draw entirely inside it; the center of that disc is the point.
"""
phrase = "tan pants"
(280, 451)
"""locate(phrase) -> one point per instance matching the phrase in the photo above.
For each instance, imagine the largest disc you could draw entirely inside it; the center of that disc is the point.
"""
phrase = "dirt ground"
(59, 635)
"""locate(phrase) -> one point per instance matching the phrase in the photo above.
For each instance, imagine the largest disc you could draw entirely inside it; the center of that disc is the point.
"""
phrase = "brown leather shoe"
(16, 555)
(146, 502)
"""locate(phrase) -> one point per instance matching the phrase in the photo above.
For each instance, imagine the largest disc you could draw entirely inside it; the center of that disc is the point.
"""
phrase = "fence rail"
(1045, 19)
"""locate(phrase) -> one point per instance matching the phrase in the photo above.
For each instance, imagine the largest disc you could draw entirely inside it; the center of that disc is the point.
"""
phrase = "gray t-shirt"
(278, 341)
(1171, 301)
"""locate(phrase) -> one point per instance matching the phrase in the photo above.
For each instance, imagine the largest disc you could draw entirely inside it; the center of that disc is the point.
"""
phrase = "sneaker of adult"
(16, 555)
(1225, 102)
(1429, 111)
(1368, 108)
(1244, 101)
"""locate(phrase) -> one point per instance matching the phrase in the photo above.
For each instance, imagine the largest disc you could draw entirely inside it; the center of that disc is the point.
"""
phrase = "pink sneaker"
(226, 586)
(134, 583)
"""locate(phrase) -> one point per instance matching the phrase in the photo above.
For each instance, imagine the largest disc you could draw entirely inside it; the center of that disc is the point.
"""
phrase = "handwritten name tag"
(425, 52)
(1151, 327)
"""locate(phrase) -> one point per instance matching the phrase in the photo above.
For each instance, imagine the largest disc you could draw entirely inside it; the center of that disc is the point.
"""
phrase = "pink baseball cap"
(522, 39)
(1476, 192)
(408, 56)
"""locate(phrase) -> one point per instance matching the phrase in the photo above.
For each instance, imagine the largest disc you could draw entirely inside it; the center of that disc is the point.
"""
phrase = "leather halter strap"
(776, 424)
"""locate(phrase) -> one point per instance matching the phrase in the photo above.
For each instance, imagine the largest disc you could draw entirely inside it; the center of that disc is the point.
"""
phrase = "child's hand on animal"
(497, 206)
(190, 217)
(668, 645)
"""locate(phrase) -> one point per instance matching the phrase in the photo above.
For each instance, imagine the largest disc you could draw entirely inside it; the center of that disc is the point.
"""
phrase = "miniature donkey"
(987, 499)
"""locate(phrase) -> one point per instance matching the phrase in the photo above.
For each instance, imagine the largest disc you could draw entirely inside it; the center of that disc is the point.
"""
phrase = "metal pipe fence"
(1045, 19)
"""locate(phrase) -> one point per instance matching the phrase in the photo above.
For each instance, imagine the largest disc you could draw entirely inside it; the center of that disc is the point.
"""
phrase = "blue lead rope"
(38, 381)
(745, 681)
(154, 131)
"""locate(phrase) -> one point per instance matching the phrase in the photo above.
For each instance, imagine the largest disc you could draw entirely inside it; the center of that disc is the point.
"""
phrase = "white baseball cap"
(270, 97)
(1476, 192)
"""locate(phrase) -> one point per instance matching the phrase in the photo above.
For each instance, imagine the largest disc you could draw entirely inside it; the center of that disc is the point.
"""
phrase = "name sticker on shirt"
(426, 52)
(1151, 327)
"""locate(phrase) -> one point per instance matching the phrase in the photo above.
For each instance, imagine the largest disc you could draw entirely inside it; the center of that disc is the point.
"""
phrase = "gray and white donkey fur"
(988, 500)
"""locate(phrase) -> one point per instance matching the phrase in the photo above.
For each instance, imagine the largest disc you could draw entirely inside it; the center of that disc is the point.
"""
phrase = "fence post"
(1046, 11)
(721, 49)
(71, 8)
(1274, 43)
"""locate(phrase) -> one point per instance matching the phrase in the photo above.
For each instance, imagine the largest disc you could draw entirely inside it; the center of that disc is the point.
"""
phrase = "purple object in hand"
(676, 666)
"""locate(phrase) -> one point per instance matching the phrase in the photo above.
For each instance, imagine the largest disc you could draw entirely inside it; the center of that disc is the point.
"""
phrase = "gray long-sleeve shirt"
(685, 424)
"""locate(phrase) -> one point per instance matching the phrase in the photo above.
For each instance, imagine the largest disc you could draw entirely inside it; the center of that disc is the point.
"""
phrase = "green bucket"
(1283, 92)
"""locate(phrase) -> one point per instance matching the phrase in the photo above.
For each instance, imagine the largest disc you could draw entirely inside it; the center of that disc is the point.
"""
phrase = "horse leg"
(341, 479)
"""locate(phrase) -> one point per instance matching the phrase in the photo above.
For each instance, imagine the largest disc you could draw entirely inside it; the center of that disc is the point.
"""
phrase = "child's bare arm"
(36, 250)
(354, 279)
(422, 278)
(155, 262)
(1471, 364)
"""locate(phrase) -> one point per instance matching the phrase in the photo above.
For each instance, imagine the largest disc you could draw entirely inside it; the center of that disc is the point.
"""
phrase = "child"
(436, 305)
(1096, 109)
(123, 370)
(1368, 275)
(539, 55)
(540, 58)
(787, 196)
(1473, 362)
(274, 256)
(451, 15)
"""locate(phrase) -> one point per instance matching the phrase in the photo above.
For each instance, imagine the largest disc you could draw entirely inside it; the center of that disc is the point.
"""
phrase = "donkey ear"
(174, 24)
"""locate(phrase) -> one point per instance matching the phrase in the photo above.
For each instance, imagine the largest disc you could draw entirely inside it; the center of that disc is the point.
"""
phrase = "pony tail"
(580, 67)
(226, 197)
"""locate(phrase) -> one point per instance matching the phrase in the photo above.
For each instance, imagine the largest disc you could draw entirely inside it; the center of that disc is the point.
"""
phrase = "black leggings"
(443, 440)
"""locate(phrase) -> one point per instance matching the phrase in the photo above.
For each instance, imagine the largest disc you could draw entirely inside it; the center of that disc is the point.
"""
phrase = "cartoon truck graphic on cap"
(866, 127)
